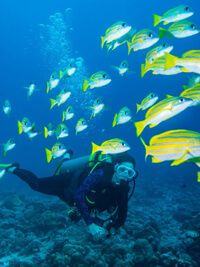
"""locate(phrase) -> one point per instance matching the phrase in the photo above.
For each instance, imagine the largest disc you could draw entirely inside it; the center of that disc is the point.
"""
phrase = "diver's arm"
(122, 203)
(91, 180)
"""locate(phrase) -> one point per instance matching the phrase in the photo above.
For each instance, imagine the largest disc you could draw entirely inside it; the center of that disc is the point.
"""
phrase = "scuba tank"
(80, 164)
(72, 165)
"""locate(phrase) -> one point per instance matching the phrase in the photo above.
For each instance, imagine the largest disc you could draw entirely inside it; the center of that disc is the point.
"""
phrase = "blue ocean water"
(31, 50)
(23, 61)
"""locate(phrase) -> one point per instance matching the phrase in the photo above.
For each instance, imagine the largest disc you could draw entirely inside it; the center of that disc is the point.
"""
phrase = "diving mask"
(124, 172)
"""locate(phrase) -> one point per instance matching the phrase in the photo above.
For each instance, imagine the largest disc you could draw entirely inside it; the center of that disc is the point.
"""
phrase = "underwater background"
(40, 37)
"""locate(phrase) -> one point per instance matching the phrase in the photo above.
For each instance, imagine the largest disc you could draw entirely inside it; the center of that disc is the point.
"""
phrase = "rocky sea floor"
(162, 229)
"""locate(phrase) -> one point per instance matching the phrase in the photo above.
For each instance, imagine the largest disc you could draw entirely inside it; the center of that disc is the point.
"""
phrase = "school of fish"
(176, 145)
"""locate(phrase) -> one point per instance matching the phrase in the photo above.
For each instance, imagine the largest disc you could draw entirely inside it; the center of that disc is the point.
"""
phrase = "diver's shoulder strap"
(57, 171)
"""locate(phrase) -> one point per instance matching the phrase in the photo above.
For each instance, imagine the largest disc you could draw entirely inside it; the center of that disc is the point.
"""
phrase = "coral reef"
(158, 232)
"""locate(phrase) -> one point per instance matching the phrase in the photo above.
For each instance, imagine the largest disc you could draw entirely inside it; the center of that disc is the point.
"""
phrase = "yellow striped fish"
(158, 51)
(147, 102)
(163, 110)
(142, 39)
(98, 79)
(112, 146)
(177, 146)
(114, 32)
(192, 93)
(122, 117)
(57, 150)
(190, 61)
(158, 67)
(180, 29)
(174, 14)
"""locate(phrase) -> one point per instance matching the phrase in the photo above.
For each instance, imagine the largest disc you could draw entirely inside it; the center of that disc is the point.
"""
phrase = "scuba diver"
(96, 187)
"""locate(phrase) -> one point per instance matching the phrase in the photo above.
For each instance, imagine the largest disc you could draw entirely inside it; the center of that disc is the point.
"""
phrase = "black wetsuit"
(87, 192)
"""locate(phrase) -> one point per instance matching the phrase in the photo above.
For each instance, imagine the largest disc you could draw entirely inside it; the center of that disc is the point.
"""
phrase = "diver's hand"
(97, 232)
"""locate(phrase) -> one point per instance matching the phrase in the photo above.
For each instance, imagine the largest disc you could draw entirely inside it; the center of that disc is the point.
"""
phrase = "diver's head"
(123, 165)
(124, 172)
(124, 169)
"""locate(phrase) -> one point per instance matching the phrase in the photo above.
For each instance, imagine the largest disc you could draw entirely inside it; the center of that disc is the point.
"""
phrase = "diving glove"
(97, 232)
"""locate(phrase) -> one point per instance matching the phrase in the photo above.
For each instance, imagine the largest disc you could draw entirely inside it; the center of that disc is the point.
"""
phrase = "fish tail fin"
(156, 19)
(85, 85)
(145, 146)
(129, 47)
(61, 74)
(102, 41)
(47, 88)
(170, 61)
(52, 102)
(198, 177)
(46, 132)
(140, 125)
(95, 148)
(114, 123)
(143, 70)
(63, 116)
(163, 32)
(92, 115)
(138, 106)
(48, 155)
(20, 127)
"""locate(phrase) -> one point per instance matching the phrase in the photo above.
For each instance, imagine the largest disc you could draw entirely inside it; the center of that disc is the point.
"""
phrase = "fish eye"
(164, 45)
(192, 26)
(181, 100)
(186, 8)
(123, 144)
(123, 24)
(152, 95)
(104, 75)
(150, 35)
